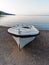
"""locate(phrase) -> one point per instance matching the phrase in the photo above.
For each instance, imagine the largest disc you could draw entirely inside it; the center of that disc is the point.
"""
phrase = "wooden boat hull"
(23, 41)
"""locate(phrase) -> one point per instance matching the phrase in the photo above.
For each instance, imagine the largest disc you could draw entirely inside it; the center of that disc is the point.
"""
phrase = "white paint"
(23, 41)
(20, 30)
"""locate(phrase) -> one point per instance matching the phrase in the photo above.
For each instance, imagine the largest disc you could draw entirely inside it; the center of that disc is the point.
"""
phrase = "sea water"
(40, 22)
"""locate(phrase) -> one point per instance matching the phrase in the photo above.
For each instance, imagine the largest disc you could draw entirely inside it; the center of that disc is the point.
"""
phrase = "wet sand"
(35, 53)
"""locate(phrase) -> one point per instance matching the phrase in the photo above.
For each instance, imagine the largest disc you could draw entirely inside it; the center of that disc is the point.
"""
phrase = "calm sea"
(40, 22)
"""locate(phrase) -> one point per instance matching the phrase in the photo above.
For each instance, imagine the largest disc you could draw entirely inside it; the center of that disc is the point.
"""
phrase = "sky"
(25, 7)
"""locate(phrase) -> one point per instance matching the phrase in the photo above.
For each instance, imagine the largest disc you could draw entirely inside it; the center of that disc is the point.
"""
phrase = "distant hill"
(4, 13)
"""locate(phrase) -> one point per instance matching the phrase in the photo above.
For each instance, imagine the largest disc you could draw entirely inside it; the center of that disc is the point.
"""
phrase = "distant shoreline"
(4, 13)
(21, 15)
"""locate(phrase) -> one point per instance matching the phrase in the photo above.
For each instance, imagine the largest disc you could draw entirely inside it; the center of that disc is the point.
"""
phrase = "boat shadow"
(39, 46)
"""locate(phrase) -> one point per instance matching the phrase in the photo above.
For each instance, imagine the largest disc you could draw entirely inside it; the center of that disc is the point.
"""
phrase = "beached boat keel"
(22, 41)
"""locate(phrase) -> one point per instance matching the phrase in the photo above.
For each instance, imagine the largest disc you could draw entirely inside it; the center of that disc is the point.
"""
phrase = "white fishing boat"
(23, 34)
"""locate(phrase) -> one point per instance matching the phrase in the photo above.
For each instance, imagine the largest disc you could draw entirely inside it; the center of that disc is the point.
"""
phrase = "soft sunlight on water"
(41, 22)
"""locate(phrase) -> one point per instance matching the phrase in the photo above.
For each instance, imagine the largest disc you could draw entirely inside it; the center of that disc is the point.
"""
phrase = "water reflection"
(1, 16)
(41, 22)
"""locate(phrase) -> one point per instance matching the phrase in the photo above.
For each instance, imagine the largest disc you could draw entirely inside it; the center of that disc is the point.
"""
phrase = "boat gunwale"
(24, 36)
